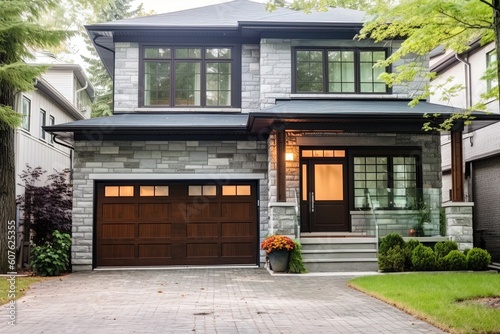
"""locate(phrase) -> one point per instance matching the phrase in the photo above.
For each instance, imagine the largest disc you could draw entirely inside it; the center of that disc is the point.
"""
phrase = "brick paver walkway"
(204, 301)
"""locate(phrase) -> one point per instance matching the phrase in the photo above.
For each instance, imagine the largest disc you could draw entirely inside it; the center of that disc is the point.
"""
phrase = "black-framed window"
(388, 181)
(26, 113)
(491, 60)
(189, 76)
(43, 122)
(334, 71)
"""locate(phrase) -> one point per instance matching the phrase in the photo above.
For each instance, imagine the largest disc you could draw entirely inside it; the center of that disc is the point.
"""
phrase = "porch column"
(457, 170)
(281, 165)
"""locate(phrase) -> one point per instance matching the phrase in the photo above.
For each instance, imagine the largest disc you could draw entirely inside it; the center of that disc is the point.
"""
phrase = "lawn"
(22, 284)
(442, 299)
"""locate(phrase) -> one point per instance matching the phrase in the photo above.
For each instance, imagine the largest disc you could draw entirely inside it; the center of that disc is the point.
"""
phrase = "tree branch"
(490, 5)
(466, 24)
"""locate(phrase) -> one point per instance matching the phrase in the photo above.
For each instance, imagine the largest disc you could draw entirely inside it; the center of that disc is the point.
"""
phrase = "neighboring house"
(481, 147)
(231, 123)
(63, 94)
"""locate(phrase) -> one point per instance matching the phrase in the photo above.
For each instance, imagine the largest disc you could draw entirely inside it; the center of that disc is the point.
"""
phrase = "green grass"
(22, 284)
(438, 298)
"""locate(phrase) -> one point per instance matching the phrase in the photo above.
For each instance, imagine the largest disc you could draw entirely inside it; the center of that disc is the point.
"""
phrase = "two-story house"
(231, 123)
(481, 148)
(62, 94)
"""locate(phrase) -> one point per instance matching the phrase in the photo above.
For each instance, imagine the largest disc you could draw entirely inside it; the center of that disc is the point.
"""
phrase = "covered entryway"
(181, 223)
(324, 205)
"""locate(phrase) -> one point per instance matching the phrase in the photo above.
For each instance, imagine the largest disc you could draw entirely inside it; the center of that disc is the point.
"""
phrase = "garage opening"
(181, 223)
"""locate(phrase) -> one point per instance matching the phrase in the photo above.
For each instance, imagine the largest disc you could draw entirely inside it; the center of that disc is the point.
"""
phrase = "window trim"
(489, 55)
(26, 121)
(43, 122)
(357, 78)
(235, 73)
(52, 122)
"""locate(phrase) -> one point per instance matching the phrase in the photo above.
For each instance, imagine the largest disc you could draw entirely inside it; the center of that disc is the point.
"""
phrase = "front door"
(324, 206)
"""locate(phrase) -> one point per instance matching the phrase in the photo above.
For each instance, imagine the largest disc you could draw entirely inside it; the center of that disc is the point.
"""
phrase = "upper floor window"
(26, 113)
(43, 121)
(491, 60)
(342, 71)
(188, 76)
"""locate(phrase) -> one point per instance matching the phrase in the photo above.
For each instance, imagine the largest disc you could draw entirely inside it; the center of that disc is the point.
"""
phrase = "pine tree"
(103, 103)
(19, 35)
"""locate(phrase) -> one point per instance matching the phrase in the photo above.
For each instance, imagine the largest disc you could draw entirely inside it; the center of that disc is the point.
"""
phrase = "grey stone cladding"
(459, 223)
(143, 160)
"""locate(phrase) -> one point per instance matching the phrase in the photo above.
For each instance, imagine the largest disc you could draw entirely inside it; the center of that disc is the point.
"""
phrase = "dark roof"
(374, 115)
(233, 14)
(241, 20)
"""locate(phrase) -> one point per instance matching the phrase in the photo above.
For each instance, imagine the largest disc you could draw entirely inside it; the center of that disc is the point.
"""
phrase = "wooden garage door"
(141, 224)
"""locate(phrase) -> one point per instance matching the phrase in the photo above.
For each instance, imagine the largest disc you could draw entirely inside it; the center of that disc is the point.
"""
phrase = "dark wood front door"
(195, 223)
(324, 206)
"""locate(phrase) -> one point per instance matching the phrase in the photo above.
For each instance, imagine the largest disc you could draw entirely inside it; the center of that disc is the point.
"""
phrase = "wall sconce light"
(289, 156)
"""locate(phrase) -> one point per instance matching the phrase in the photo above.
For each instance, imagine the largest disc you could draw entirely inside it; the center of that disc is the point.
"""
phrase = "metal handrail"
(372, 210)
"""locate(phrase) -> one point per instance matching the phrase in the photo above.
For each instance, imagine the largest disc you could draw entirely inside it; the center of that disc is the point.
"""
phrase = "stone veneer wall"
(137, 160)
(459, 223)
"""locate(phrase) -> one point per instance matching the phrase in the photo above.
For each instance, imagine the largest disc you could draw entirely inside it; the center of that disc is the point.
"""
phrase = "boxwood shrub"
(478, 259)
(454, 260)
(390, 241)
(392, 260)
(423, 258)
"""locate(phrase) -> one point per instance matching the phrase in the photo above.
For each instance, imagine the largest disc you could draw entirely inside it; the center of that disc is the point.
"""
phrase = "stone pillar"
(283, 219)
(459, 223)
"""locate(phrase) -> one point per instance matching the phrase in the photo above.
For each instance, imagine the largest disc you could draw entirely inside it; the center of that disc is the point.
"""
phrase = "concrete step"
(339, 254)
(311, 254)
(336, 265)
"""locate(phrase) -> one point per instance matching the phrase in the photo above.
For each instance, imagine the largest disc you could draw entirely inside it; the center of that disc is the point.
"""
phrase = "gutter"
(467, 75)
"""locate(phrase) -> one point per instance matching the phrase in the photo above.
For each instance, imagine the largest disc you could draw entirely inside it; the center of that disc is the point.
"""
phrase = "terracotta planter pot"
(278, 260)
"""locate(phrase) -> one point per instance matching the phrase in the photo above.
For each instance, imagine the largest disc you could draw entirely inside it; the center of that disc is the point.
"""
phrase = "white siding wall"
(31, 149)
(63, 81)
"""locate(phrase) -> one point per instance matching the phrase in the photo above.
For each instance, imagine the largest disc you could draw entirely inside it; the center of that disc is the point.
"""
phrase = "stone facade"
(459, 223)
(143, 160)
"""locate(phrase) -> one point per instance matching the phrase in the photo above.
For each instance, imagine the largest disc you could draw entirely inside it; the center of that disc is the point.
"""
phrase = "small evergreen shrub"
(51, 258)
(408, 250)
(454, 260)
(295, 264)
(390, 241)
(466, 251)
(441, 249)
(423, 258)
(393, 260)
(478, 259)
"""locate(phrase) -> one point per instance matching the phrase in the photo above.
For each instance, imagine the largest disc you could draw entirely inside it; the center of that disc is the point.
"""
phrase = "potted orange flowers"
(278, 249)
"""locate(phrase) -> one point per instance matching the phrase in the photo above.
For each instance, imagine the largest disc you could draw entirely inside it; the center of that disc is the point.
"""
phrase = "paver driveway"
(204, 301)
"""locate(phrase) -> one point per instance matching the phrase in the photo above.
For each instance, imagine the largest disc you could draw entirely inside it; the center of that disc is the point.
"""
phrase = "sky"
(175, 5)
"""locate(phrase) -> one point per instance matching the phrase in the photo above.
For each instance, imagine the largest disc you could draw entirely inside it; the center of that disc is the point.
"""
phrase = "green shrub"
(51, 258)
(478, 259)
(441, 249)
(295, 264)
(454, 260)
(393, 260)
(408, 250)
(423, 258)
(466, 251)
(390, 241)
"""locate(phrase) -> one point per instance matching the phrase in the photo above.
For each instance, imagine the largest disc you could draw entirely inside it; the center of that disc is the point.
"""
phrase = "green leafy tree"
(20, 32)
(426, 24)
(321, 5)
(114, 10)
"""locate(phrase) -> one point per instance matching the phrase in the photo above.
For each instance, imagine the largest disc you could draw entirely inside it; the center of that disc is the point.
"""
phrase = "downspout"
(71, 150)
(467, 74)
